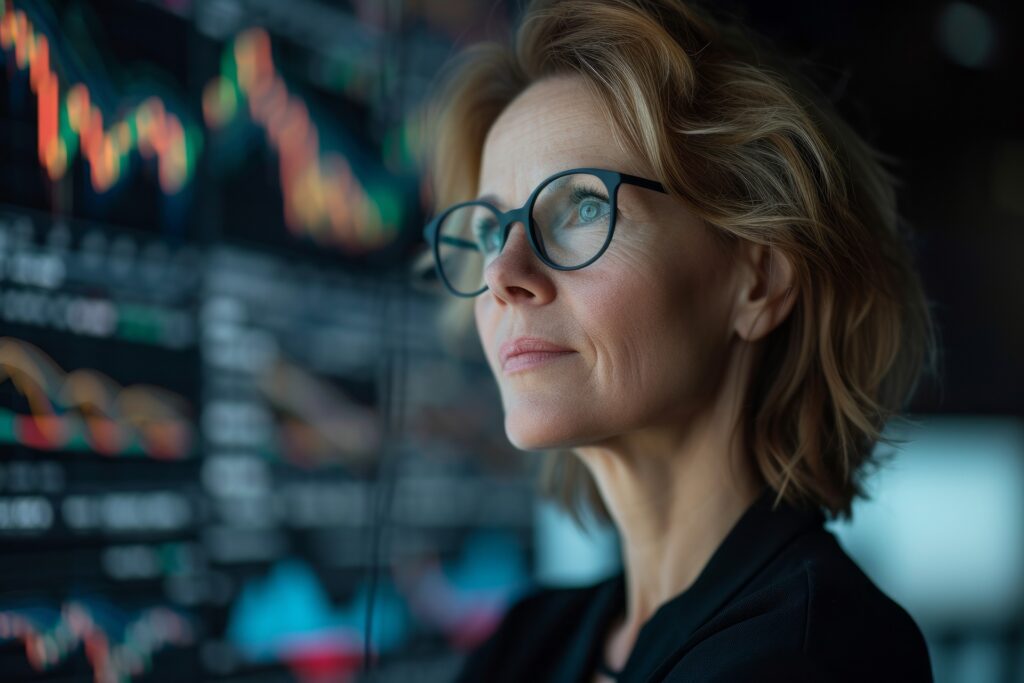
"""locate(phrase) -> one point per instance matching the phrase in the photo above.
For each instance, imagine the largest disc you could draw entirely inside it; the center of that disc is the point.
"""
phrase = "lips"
(521, 345)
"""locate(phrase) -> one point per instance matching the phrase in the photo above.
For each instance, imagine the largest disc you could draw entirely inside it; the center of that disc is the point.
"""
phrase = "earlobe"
(767, 292)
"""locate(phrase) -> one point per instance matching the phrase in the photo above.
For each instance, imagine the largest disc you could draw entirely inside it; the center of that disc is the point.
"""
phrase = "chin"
(528, 434)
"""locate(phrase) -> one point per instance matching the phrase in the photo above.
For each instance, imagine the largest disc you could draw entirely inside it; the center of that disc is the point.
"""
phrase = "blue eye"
(591, 205)
(487, 235)
(589, 210)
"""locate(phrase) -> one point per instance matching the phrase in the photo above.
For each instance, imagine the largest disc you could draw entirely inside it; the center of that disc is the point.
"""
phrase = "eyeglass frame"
(524, 215)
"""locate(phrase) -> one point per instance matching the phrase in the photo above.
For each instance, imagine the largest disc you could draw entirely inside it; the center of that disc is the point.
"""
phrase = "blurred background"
(228, 427)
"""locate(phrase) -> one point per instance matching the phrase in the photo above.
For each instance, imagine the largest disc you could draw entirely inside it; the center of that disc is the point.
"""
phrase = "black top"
(779, 600)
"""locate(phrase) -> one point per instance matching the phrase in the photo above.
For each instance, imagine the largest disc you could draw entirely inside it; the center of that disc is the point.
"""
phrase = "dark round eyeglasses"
(569, 219)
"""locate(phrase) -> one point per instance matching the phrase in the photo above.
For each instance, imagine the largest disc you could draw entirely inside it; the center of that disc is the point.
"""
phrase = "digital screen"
(230, 443)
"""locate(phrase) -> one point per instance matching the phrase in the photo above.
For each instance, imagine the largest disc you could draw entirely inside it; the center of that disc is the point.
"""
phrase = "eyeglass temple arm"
(453, 241)
(643, 182)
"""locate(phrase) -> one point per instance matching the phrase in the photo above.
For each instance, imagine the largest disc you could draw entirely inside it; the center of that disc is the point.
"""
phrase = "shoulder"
(547, 605)
(523, 639)
(810, 615)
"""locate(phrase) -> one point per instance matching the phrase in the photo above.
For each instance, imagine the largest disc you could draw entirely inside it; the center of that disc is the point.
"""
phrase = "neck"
(673, 495)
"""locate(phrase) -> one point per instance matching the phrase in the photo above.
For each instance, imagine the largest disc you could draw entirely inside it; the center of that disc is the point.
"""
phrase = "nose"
(516, 274)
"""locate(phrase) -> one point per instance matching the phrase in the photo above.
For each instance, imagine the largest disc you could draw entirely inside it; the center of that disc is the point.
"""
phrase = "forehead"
(553, 125)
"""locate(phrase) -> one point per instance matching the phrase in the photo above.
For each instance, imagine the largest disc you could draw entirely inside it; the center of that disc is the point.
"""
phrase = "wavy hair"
(734, 129)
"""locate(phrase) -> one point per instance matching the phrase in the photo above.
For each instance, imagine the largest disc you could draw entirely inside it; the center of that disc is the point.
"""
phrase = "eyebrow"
(492, 199)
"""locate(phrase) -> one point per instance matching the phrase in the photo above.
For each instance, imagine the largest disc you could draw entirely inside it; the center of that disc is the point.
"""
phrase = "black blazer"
(779, 600)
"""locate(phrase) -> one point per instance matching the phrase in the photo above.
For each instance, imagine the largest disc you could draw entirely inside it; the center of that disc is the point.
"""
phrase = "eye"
(487, 234)
(589, 210)
(590, 204)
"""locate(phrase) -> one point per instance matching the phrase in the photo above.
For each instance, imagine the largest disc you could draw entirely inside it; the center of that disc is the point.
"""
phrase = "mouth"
(532, 359)
(529, 351)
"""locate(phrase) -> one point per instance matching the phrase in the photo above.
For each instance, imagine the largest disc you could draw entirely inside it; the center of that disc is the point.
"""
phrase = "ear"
(766, 291)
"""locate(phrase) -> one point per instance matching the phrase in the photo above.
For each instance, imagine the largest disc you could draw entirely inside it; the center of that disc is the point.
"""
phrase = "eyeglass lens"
(572, 215)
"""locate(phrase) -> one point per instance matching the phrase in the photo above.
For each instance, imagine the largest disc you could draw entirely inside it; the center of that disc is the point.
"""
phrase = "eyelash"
(579, 193)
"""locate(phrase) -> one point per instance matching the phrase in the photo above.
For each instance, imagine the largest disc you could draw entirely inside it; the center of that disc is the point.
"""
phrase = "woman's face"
(648, 323)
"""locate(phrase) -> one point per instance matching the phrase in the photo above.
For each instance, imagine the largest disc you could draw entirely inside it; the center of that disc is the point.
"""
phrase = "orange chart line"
(111, 414)
(65, 125)
(323, 198)
(155, 629)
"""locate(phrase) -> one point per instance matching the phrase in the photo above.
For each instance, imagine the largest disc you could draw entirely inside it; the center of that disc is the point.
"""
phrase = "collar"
(757, 537)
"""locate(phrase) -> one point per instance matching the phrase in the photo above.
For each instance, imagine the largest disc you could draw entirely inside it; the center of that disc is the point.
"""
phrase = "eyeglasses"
(569, 221)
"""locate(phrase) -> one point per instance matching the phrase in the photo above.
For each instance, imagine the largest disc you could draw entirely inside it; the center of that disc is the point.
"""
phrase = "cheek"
(625, 314)
(478, 314)
(480, 319)
(657, 324)
(486, 326)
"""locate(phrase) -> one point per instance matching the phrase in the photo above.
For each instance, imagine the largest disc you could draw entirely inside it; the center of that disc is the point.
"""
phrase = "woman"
(687, 276)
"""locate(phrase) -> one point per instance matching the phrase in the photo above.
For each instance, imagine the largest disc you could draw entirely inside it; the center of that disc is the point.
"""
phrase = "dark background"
(336, 456)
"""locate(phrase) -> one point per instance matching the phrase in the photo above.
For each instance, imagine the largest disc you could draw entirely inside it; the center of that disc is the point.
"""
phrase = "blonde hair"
(755, 150)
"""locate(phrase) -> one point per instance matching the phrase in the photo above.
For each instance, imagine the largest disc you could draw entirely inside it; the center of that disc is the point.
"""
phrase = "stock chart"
(229, 441)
